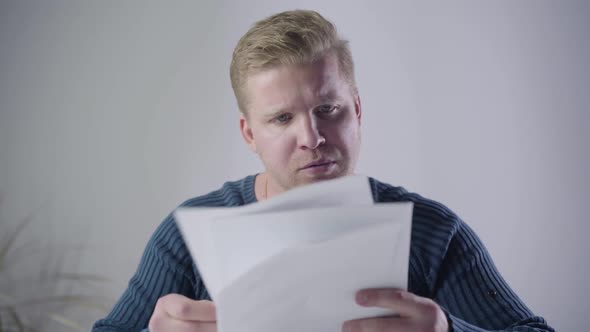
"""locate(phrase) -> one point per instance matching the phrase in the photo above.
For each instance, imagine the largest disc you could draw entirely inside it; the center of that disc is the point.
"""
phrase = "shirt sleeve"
(474, 295)
(164, 268)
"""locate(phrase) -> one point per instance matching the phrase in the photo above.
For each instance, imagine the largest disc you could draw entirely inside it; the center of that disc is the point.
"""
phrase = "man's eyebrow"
(275, 111)
(327, 97)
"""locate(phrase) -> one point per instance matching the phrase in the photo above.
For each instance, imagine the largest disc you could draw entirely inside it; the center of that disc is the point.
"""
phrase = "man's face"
(304, 123)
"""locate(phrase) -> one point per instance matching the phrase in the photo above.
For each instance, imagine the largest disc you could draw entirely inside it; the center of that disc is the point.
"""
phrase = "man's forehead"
(280, 88)
(284, 87)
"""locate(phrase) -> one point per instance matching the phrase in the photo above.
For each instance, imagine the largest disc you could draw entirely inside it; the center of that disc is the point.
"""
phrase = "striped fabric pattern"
(448, 263)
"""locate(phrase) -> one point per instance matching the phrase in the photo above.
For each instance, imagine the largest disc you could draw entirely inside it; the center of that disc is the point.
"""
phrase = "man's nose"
(309, 134)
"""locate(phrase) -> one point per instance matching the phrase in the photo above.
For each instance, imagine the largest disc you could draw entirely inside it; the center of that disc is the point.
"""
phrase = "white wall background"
(112, 113)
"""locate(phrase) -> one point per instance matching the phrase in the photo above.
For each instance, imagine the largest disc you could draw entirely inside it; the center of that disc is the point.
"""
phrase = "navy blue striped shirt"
(448, 263)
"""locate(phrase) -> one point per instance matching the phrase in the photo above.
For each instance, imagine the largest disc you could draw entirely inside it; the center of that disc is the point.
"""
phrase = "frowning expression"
(303, 121)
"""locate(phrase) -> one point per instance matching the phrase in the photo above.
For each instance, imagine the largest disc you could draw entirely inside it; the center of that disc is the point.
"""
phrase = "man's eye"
(326, 109)
(283, 118)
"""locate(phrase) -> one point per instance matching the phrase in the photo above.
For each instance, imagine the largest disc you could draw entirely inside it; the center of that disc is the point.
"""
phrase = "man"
(301, 113)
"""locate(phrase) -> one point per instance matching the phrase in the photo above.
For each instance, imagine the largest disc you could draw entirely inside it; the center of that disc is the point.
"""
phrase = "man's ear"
(357, 108)
(247, 134)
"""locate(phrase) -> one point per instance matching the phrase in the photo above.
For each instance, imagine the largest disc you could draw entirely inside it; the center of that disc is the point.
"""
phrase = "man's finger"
(400, 301)
(379, 324)
(176, 325)
(183, 308)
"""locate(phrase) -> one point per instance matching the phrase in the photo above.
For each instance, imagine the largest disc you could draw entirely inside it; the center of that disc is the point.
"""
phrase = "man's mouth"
(319, 163)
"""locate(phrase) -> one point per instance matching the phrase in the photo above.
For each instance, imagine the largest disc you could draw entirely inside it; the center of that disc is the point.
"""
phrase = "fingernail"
(362, 298)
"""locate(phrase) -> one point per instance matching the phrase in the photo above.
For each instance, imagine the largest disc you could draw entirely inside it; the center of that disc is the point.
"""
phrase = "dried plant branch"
(16, 312)
(5, 248)
(65, 321)
(16, 318)
(61, 299)
(11, 238)
(61, 277)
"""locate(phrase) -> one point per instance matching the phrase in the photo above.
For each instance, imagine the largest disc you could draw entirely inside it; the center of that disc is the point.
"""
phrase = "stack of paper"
(295, 262)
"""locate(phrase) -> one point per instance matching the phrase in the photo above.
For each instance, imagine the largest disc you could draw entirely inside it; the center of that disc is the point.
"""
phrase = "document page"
(294, 263)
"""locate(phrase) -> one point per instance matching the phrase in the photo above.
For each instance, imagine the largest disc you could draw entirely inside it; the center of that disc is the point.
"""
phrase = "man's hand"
(177, 313)
(415, 313)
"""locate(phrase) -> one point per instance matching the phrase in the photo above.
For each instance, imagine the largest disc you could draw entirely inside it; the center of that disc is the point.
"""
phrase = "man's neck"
(261, 186)
(264, 187)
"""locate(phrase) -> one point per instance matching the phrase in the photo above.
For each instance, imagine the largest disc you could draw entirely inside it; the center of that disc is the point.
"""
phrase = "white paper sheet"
(295, 263)
(241, 242)
(194, 223)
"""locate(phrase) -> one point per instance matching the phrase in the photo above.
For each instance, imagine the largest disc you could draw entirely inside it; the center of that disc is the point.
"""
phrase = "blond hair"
(287, 38)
